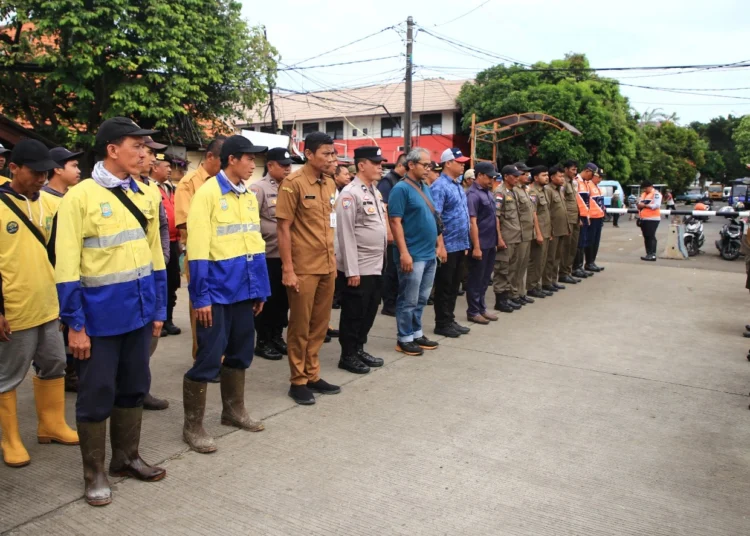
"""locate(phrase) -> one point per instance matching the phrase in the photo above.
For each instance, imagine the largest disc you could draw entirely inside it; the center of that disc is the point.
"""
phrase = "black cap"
(369, 152)
(33, 154)
(118, 127)
(62, 155)
(280, 155)
(240, 144)
(163, 157)
(151, 144)
(511, 170)
(522, 166)
(485, 168)
(591, 167)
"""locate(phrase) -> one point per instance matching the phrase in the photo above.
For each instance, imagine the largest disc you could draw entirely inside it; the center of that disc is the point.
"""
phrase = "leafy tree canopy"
(718, 133)
(741, 138)
(169, 64)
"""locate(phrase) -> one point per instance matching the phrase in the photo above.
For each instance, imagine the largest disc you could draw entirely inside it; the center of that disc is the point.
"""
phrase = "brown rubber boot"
(93, 437)
(233, 401)
(194, 404)
(49, 396)
(14, 453)
(125, 436)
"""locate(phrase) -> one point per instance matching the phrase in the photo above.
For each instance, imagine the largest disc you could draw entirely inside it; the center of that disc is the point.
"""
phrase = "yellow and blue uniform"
(107, 266)
(227, 251)
(228, 272)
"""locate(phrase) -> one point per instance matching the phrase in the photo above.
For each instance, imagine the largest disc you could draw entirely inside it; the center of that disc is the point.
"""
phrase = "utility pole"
(270, 93)
(407, 95)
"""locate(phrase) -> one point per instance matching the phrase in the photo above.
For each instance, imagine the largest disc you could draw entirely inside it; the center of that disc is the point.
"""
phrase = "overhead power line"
(292, 68)
(461, 45)
(454, 19)
(344, 46)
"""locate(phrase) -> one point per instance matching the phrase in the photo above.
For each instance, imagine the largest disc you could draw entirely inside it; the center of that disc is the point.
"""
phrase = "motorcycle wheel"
(691, 245)
(730, 252)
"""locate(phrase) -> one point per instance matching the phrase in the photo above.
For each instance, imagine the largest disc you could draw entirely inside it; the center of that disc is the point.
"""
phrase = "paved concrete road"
(616, 407)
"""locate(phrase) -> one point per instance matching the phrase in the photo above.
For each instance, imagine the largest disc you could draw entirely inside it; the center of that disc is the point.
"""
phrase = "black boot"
(537, 293)
(369, 360)
(170, 328)
(277, 340)
(125, 437)
(267, 350)
(71, 378)
(353, 364)
(93, 438)
(502, 305)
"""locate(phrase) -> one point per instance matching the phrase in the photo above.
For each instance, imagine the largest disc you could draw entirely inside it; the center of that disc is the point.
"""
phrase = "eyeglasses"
(424, 164)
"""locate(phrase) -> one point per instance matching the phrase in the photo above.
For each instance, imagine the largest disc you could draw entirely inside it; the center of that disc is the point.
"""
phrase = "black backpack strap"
(134, 210)
(51, 255)
(24, 218)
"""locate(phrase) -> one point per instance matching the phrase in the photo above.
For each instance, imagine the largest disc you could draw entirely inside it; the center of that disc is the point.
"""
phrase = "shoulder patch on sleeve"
(287, 189)
(346, 202)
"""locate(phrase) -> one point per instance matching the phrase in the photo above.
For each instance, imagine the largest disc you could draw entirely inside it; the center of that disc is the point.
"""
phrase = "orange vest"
(651, 213)
(596, 200)
(582, 197)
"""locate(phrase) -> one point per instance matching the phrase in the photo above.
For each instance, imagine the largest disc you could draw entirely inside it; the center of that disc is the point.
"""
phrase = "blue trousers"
(595, 236)
(413, 292)
(232, 335)
(117, 374)
(583, 237)
(480, 275)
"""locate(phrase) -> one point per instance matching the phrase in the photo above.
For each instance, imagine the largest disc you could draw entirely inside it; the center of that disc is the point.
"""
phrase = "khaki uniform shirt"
(571, 203)
(185, 191)
(538, 196)
(557, 210)
(267, 192)
(525, 213)
(506, 208)
(307, 202)
(360, 226)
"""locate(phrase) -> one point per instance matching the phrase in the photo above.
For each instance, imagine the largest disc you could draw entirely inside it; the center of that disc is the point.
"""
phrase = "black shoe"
(277, 341)
(171, 328)
(747, 328)
(266, 350)
(369, 360)
(388, 311)
(301, 395)
(600, 268)
(549, 292)
(558, 286)
(447, 331)
(516, 303)
(152, 403)
(409, 348)
(526, 299)
(567, 279)
(163, 333)
(335, 305)
(463, 330)
(589, 274)
(550, 288)
(323, 387)
(461, 292)
(327, 339)
(537, 293)
(353, 364)
(502, 305)
(425, 344)
(746, 334)
(333, 333)
(651, 258)
(580, 274)
(592, 268)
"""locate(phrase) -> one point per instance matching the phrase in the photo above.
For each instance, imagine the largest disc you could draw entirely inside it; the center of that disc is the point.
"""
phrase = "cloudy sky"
(635, 33)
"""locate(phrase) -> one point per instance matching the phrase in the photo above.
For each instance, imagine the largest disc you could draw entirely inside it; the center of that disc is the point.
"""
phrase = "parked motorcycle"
(730, 237)
(694, 237)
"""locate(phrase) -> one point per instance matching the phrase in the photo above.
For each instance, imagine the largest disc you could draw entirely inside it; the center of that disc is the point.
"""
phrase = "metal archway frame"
(491, 131)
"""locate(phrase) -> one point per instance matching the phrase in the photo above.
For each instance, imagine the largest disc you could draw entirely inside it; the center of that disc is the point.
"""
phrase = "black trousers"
(390, 279)
(615, 219)
(447, 282)
(359, 307)
(173, 277)
(275, 314)
(648, 229)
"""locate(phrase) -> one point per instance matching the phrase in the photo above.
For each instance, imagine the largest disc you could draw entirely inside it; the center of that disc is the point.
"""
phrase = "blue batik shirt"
(450, 203)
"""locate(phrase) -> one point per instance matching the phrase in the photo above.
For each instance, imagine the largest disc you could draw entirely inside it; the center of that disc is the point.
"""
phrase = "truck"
(715, 191)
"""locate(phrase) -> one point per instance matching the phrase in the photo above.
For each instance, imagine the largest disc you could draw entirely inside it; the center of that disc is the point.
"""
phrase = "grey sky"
(612, 34)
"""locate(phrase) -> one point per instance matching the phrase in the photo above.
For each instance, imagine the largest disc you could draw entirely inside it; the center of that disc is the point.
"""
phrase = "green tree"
(741, 138)
(718, 133)
(577, 96)
(169, 64)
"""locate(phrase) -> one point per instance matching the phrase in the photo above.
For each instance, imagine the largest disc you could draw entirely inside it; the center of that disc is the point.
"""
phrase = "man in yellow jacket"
(112, 287)
(29, 327)
(228, 286)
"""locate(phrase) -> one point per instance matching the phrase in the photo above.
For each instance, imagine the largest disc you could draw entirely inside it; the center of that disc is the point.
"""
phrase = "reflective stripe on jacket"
(582, 196)
(110, 274)
(596, 201)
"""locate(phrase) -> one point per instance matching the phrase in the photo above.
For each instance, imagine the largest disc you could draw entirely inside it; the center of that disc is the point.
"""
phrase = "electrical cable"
(341, 63)
(464, 15)
(344, 46)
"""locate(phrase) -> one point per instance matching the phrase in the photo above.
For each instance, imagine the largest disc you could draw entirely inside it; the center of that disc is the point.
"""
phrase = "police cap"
(280, 155)
(371, 153)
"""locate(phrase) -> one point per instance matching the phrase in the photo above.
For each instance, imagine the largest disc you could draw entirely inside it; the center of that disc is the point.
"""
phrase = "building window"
(390, 127)
(288, 128)
(430, 124)
(335, 129)
(267, 130)
(354, 133)
(364, 132)
(309, 128)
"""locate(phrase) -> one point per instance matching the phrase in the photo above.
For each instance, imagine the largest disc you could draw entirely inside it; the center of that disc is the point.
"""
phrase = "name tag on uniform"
(309, 197)
(333, 219)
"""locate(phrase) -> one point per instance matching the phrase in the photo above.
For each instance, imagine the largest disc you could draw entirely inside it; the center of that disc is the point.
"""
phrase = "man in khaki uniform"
(362, 237)
(570, 244)
(538, 255)
(560, 229)
(529, 232)
(506, 208)
(306, 225)
(184, 195)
